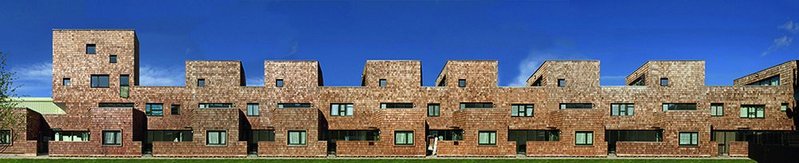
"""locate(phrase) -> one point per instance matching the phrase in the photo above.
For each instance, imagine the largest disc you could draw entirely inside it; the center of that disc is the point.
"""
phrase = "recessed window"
(576, 105)
(112, 137)
(521, 110)
(170, 135)
(66, 82)
(770, 81)
(396, 105)
(112, 59)
(114, 105)
(153, 109)
(293, 105)
(561, 82)
(403, 137)
(784, 107)
(216, 138)
(263, 135)
(200, 82)
(433, 110)
(278, 82)
(252, 109)
(5, 136)
(341, 109)
(636, 135)
(689, 138)
(448, 135)
(753, 111)
(175, 109)
(99, 81)
(534, 135)
(91, 49)
(717, 109)
(622, 109)
(215, 105)
(679, 106)
(640, 81)
(537, 82)
(664, 81)
(124, 80)
(382, 83)
(487, 138)
(461, 82)
(355, 135)
(297, 137)
(476, 105)
(584, 138)
(72, 136)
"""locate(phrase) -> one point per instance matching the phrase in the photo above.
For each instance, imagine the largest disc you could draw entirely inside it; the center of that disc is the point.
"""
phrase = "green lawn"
(368, 160)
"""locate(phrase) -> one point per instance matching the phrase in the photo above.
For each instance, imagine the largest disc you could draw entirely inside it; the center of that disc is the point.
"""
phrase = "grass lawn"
(368, 160)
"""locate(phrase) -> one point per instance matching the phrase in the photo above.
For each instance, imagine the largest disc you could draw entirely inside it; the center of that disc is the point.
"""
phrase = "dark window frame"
(627, 108)
(341, 109)
(174, 109)
(66, 82)
(150, 111)
(522, 110)
(201, 83)
(91, 48)
(447, 135)
(462, 83)
(752, 110)
(693, 139)
(407, 139)
(679, 106)
(433, 110)
(492, 138)
(6, 137)
(294, 105)
(397, 105)
(262, 135)
(279, 83)
(302, 135)
(221, 140)
(589, 141)
(477, 105)
(126, 81)
(170, 135)
(562, 83)
(382, 83)
(716, 107)
(253, 106)
(116, 134)
(215, 105)
(97, 81)
(664, 81)
(112, 58)
(576, 106)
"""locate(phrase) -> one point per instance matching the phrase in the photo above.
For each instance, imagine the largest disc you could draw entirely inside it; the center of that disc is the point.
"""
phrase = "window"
(341, 109)
(382, 83)
(263, 135)
(403, 137)
(584, 138)
(355, 135)
(576, 105)
(689, 138)
(443, 81)
(293, 105)
(476, 105)
(170, 136)
(252, 109)
(216, 138)
(521, 110)
(279, 83)
(635, 135)
(175, 109)
(124, 80)
(99, 81)
(112, 137)
(487, 138)
(561, 82)
(66, 82)
(770, 81)
(449, 135)
(784, 107)
(461, 82)
(70, 136)
(91, 49)
(112, 59)
(664, 81)
(5, 136)
(716, 109)
(433, 110)
(154, 109)
(115, 105)
(639, 82)
(297, 137)
(622, 109)
(200, 82)
(679, 106)
(753, 111)
(537, 82)
(396, 105)
(215, 105)
(534, 135)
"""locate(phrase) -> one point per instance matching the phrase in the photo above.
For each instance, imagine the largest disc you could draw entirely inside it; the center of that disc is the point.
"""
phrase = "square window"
(664, 81)
(561, 82)
(461, 82)
(216, 138)
(584, 138)
(716, 109)
(297, 138)
(66, 82)
(279, 83)
(175, 109)
(433, 110)
(124, 80)
(487, 138)
(252, 109)
(112, 59)
(112, 137)
(200, 82)
(383, 83)
(689, 138)
(99, 81)
(403, 137)
(91, 49)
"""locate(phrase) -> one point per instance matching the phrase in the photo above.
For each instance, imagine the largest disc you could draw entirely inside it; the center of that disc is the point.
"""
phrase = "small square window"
(784, 107)
(383, 83)
(200, 82)
(112, 59)
(664, 81)
(124, 80)
(91, 49)
(279, 83)
(561, 82)
(461, 82)
(66, 82)
(175, 109)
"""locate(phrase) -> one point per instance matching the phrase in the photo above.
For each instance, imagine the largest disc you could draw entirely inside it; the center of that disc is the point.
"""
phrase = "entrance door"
(611, 137)
(521, 140)
(44, 142)
(331, 147)
(723, 138)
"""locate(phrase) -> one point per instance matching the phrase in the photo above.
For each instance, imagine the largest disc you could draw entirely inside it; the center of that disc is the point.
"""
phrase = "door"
(723, 138)
(611, 137)
(44, 142)
(331, 146)
(520, 137)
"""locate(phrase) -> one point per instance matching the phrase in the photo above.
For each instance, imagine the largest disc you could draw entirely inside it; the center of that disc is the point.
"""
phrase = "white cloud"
(34, 79)
(256, 81)
(778, 43)
(529, 64)
(160, 76)
(790, 26)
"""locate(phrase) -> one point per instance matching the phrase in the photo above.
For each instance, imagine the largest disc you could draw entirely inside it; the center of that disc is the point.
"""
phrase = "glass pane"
(579, 138)
(334, 109)
(483, 138)
(400, 139)
(589, 138)
(614, 109)
(349, 109)
(685, 138)
(213, 138)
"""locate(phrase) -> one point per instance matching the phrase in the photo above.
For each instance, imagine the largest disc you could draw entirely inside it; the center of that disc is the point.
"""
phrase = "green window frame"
(584, 138)
(403, 137)
(297, 137)
(487, 138)
(433, 110)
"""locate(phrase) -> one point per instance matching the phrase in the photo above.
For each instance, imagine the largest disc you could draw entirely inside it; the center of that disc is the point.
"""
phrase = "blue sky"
(734, 37)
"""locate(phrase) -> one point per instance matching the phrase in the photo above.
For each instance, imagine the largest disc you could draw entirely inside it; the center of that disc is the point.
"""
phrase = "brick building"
(665, 109)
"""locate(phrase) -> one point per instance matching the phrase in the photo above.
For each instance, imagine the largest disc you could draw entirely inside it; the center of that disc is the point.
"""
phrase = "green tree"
(7, 91)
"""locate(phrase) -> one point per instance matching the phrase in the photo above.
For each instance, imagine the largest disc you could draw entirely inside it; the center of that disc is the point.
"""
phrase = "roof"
(41, 105)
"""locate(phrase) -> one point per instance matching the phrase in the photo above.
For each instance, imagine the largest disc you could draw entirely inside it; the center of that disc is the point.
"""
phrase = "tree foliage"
(7, 91)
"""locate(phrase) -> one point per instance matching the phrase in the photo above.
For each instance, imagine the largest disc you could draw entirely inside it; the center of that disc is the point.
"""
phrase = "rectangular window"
(279, 83)
(252, 109)
(341, 109)
(99, 81)
(5, 136)
(396, 105)
(215, 105)
(487, 138)
(154, 109)
(170, 136)
(561, 82)
(112, 59)
(716, 109)
(297, 137)
(521, 110)
(355, 135)
(112, 137)
(476, 105)
(664, 81)
(635, 135)
(72, 136)
(124, 80)
(66, 82)
(216, 138)
(91, 49)
(753, 111)
(784, 107)
(584, 138)
(263, 135)
(622, 109)
(689, 138)
(175, 109)
(293, 105)
(534, 135)
(382, 83)
(770, 81)
(403, 137)
(448, 135)
(433, 110)
(679, 106)
(576, 105)
(461, 82)
(115, 105)
(200, 82)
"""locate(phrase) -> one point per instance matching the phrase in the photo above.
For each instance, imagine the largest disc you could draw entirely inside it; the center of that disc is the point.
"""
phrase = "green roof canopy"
(42, 105)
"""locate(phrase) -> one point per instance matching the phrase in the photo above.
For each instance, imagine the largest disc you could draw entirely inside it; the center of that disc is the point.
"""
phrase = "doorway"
(723, 138)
